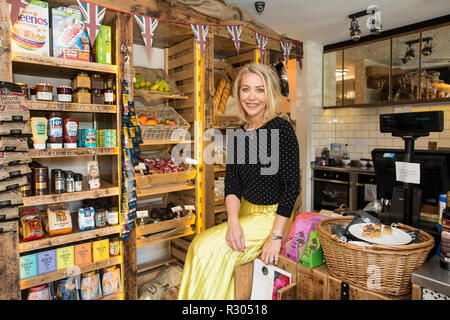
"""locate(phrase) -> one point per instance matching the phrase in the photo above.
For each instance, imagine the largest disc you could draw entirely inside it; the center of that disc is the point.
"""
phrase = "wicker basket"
(380, 268)
(151, 132)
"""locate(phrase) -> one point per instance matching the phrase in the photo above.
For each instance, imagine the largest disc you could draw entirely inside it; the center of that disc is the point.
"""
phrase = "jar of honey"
(96, 81)
(97, 96)
(82, 80)
(44, 91)
(82, 95)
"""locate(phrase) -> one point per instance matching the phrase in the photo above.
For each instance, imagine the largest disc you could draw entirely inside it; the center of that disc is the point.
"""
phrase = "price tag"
(142, 214)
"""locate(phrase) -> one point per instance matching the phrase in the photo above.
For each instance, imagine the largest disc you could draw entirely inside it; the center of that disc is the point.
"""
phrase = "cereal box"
(70, 39)
(30, 33)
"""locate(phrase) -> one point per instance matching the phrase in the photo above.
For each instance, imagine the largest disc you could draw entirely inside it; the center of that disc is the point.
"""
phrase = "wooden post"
(9, 266)
(5, 44)
(124, 51)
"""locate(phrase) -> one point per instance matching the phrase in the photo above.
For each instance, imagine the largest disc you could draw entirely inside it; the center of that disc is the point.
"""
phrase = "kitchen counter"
(432, 276)
(367, 170)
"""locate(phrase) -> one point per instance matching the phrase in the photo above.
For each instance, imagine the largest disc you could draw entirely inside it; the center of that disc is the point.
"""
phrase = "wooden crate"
(243, 280)
(154, 179)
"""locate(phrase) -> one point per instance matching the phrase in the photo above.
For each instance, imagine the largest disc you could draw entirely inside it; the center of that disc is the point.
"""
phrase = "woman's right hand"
(235, 236)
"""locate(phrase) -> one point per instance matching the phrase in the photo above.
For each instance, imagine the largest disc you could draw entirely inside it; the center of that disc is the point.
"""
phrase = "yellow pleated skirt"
(208, 272)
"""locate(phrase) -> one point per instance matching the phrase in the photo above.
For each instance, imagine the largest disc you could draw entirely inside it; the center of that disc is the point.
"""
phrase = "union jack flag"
(200, 32)
(286, 47)
(147, 26)
(93, 16)
(15, 8)
(235, 34)
(261, 40)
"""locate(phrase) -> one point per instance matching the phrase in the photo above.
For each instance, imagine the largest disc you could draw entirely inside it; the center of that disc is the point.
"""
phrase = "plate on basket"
(396, 238)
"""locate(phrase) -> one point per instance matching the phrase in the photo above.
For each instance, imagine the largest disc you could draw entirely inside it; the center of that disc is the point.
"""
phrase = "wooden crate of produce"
(151, 75)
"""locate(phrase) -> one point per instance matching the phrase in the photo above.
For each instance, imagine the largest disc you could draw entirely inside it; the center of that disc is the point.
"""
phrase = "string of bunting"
(93, 15)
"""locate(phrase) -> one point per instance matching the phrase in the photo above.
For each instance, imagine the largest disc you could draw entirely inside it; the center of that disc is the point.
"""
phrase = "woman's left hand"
(270, 251)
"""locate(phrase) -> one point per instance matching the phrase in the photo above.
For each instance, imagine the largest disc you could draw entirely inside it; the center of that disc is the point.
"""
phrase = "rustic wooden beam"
(9, 265)
(5, 43)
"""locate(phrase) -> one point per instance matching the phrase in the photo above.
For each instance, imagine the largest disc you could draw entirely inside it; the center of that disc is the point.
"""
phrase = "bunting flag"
(261, 41)
(15, 8)
(148, 27)
(286, 47)
(93, 16)
(235, 34)
(200, 32)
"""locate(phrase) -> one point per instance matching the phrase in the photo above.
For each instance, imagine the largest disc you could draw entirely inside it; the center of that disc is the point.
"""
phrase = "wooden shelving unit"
(70, 107)
(76, 152)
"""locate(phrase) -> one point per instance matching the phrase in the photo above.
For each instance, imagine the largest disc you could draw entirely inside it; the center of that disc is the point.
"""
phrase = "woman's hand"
(235, 236)
(271, 251)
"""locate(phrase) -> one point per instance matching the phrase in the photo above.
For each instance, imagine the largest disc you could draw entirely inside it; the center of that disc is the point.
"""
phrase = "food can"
(90, 138)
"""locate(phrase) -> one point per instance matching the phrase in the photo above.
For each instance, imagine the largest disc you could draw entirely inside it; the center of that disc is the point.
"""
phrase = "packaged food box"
(14, 158)
(46, 261)
(100, 250)
(12, 103)
(65, 257)
(28, 266)
(103, 45)
(83, 253)
(10, 197)
(13, 183)
(30, 33)
(70, 39)
(9, 213)
(15, 128)
(14, 171)
(13, 143)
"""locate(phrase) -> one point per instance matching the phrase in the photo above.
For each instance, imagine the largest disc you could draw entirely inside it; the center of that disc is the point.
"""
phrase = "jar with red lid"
(64, 93)
(44, 91)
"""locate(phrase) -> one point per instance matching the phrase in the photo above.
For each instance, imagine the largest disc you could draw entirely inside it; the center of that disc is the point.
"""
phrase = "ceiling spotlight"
(355, 32)
(409, 55)
(374, 20)
(428, 49)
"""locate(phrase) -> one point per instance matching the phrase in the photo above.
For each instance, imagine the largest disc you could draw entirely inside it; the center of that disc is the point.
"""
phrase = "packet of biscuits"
(30, 225)
(14, 158)
(12, 103)
(22, 128)
(14, 171)
(13, 143)
(10, 197)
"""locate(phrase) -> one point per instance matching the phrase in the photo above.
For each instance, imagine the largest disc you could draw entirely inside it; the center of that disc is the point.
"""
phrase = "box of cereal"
(30, 33)
(70, 38)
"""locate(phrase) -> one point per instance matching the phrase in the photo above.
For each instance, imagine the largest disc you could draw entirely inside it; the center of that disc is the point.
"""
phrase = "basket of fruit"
(161, 123)
(154, 84)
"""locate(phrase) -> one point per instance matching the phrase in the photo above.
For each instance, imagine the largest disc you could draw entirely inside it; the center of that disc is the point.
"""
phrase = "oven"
(331, 189)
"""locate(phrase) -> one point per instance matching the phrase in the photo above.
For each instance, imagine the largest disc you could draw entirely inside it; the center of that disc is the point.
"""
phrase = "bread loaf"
(224, 99)
(218, 95)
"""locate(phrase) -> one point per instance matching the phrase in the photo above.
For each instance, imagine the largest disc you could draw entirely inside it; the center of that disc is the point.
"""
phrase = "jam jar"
(44, 91)
(82, 80)
(100, 218)
(64, 93)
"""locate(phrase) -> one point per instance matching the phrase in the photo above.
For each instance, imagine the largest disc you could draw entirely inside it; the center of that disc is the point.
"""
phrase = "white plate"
(396, 238)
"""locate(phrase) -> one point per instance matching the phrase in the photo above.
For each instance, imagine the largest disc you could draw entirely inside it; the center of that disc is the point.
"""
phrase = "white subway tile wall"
(360, 129)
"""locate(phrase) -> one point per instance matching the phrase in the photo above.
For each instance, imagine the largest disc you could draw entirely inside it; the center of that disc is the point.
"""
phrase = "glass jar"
(108, 92)
(82, 80)
(64, 93)
(78, 178)
(97, 96)
(100, 218)
(82, 95)
(114, 247)
(59, 181)
(44, 91)
(24, 87)
(33, 93)
(41, 292)
(96, 81)
(70, 183)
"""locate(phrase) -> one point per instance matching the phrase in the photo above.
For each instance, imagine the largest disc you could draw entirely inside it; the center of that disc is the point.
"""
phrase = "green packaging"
(313, 254)
(103, 45)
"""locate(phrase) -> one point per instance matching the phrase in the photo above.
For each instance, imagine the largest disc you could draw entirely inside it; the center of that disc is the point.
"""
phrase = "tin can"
(100, 218)
(90, 138)
(109, 138)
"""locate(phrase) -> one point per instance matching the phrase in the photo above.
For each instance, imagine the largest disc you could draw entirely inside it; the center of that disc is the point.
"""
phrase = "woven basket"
(151, 132)
(380, 268)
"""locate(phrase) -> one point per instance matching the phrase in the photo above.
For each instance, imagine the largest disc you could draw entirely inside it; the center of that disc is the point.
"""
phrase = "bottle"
(345, 152)
(445, 236)
(70, 183)
(325, 157)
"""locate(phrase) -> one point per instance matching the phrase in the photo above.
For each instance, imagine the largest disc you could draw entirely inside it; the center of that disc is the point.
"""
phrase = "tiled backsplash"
(360, 129)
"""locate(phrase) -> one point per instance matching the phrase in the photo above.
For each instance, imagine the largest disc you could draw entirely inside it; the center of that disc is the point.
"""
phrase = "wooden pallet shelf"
(165, 188)
(149, 96)
(152, 265)
(48, 242)
(158, 238)
(68, 272)
(76, 152)
(163, 142)
(106, 190)
(55, 67)
(70, 107)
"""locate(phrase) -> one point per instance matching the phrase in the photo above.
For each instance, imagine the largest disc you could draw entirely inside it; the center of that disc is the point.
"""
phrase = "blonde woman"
(261, 187)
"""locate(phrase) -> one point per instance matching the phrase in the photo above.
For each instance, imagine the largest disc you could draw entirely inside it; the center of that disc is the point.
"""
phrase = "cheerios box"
(70, 39)
(30, 33)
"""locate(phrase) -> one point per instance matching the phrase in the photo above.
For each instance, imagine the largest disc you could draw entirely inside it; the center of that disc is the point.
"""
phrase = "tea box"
(100, 250)
(28, 266)
(65, 257)
(83, 253)
(46, 261)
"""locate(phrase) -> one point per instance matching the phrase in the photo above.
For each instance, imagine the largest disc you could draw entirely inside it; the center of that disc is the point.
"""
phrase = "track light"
(428, 49)
(355, 32)
(409, 55)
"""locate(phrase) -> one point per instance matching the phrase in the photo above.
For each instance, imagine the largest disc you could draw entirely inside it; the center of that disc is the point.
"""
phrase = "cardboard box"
(103, 45)
(30, 33)
(100, 250)
(28, 266)
(83, 253)
(70, 39)
(46, 261)
(65, 257)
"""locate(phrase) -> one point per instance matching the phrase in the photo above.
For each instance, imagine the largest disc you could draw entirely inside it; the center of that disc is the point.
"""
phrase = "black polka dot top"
(263, 165)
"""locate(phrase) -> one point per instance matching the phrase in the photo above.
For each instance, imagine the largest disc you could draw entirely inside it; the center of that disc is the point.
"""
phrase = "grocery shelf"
(142, 242)
(76, 152)
(68, 272)
(75, 236)
(155, 264)
(149, 96)
(70, 107)
(163, 142)
(55, 67)
(106, 190)
(164, 188)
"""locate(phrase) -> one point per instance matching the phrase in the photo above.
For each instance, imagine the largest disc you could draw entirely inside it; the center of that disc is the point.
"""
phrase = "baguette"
(224, 99)
(218, 94)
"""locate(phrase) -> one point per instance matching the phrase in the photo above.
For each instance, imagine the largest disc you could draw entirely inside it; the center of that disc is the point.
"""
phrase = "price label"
(142, 214)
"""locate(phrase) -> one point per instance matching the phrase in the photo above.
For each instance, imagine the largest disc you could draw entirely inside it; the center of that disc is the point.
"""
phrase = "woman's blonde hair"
(271, 89)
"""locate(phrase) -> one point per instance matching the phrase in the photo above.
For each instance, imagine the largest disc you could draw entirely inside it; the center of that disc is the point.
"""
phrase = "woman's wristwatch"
(275, 236)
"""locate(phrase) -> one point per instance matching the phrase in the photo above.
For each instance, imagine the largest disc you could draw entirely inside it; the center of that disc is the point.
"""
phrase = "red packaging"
(70, 133)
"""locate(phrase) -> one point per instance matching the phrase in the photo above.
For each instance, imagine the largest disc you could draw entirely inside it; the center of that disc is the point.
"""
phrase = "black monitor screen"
(434, 172)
